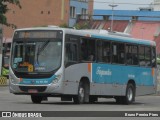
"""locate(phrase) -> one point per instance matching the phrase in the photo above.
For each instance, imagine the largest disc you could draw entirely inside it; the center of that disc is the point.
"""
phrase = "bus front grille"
(27, 88)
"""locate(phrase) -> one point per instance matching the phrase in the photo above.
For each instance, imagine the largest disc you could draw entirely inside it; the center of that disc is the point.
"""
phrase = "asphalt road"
(11, 102)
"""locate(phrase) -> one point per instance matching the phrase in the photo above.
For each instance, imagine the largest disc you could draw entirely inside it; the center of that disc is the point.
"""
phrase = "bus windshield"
(34, 55)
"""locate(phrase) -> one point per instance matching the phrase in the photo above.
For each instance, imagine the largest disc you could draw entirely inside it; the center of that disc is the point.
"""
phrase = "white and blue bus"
(81, 65)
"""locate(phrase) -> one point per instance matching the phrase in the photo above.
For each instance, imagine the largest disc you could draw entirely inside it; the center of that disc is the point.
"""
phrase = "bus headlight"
(56, 79)
(14, 81)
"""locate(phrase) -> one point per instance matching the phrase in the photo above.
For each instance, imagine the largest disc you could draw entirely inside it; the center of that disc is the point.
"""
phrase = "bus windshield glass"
(37, 51)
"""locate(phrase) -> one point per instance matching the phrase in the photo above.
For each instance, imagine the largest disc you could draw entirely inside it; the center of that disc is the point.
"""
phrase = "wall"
(42, 13)
(37, 13)
(78, 5)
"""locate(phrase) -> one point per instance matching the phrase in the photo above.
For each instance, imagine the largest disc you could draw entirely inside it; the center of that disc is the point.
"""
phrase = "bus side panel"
(142, 76)
(109, 79)
(73, 75)
(119, 78)
(113, 79)
(145, 90)
(100, 77)
(106, 89)
(147, 84)
(106, 79)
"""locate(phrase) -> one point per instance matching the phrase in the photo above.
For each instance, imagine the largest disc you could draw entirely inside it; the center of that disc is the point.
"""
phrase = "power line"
(120, 3)
(117, 3)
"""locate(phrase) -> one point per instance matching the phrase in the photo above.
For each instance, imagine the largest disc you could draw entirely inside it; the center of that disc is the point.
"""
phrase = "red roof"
(99, 24)
(117, 25)
(157, 40)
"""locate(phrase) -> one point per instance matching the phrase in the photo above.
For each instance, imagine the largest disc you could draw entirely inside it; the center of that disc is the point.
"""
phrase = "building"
(156, 5)
(36, 13)
(80, 7)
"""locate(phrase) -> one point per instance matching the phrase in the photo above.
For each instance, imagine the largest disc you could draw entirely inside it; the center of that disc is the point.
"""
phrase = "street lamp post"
(113, 6)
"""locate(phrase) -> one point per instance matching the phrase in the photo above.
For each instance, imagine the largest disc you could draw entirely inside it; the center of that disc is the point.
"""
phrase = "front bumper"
(33, 89)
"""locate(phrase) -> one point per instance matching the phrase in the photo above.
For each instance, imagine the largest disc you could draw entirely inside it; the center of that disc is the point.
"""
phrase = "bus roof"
(98, 34)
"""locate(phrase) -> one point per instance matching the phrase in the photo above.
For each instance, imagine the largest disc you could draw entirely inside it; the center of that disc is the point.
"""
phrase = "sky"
(136, 4)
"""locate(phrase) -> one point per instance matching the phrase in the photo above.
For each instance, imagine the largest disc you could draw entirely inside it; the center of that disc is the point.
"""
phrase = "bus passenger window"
(153, 53)
(84, 52)
(131, 54)
(106, 52)
(118, 53)
(115, 56)
(121, 54)
(142, 56)
(88, 49)
(148, 56)
(71, 52)
(99, 50)
(135, 55)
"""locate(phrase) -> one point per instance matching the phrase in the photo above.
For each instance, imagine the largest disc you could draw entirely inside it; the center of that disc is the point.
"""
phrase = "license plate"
(32, 91)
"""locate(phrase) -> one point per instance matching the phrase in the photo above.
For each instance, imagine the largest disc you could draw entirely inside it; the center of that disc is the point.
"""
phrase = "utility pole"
(113, 6)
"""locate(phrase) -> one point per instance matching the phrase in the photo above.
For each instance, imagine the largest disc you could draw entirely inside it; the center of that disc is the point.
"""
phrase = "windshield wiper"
(44, 45)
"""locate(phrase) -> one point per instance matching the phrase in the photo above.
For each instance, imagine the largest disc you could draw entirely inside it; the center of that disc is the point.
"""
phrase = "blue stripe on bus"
(44, 81)
(127, 39)
(120, 74)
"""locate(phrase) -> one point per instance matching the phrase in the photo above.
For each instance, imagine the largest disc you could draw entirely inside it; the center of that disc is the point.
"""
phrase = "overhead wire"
(124, 3)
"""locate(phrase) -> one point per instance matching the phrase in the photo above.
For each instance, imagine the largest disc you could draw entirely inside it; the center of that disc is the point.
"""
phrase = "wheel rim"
(130, 94)
(81, 94)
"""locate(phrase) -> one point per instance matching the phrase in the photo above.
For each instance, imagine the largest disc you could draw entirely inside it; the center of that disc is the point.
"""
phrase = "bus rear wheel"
(36, 99)
(119, 99)
(130, 94)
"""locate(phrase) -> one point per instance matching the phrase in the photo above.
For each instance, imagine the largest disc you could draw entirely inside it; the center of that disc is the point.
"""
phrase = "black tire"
(36, 99)
(130, 94)
(119, 99)
(93, 99)
(80, 98)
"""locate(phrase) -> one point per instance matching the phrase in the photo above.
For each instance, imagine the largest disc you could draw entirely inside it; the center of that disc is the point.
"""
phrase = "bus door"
(71, 50)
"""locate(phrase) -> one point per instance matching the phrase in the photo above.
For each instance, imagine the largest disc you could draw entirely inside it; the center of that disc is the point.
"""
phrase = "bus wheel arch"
(83, 91)
(131, 81)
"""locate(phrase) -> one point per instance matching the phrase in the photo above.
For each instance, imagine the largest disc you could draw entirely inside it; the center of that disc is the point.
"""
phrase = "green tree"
(84, 25)
(4, 8)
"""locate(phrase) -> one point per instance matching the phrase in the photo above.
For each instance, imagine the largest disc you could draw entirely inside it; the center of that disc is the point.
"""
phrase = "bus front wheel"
(93, 99)
(36, 99)
(80, 98)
